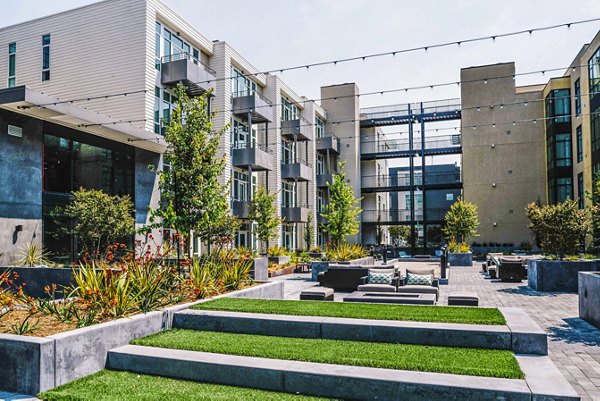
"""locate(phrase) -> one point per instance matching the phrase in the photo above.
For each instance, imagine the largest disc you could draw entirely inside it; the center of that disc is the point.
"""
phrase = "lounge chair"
(420, 289)
(511, 268)
(367, 286)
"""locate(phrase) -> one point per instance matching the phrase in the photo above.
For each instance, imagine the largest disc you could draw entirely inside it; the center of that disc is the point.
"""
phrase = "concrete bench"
(317, 294)
(463, 299)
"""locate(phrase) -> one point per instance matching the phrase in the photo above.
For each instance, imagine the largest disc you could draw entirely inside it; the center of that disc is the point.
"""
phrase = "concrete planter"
(260, 269)
(460, 259)
(279, 260)
(557, 275)
(282, 272)
(37, 278)
(589, 297)
(34, 364)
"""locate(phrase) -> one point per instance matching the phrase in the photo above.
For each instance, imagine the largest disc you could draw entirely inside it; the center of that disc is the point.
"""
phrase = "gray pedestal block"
(558, 275)
(589, 297)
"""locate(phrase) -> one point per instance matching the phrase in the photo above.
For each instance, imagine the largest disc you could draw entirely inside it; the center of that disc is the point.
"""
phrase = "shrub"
(458, 247)
(33, 254)
(277, 251)
(203, 279)
(461, 221)
(526, 246)
(344, 252)
(561, 229)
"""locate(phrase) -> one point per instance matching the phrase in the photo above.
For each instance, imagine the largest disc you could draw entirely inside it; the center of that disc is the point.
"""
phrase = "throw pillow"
(380, 278)
(419, 279)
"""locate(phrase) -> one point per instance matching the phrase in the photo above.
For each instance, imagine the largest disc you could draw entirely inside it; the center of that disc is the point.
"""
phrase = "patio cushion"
(377, 288)
(421, 271)
(418, 289)
(376, 277)
(318, 291)
(419, 279)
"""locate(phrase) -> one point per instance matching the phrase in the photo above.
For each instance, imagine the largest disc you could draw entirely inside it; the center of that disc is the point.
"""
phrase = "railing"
(297, 160)
(388, 216)
(394, 145)
(187, 56)
(250, 92)
(407, 109)
(402, 179)
(244, 145)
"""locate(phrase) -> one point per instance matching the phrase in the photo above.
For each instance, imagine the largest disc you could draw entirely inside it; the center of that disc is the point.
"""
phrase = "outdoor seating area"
(507, 268)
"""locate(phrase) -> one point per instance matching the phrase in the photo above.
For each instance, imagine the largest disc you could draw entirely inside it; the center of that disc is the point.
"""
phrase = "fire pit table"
(391, 298)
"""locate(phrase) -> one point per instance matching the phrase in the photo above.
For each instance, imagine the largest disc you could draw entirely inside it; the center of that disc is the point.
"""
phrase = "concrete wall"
(589, 297)
(510, 156)
(147, 194)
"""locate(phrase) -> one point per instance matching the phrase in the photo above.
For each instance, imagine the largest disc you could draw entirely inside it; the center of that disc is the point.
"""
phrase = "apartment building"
(538, 143)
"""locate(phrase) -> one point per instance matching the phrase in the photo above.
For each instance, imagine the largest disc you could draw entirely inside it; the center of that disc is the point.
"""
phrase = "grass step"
(415, 313)
(334, 328)
(461, 361)
(324, 380)
(109, 385)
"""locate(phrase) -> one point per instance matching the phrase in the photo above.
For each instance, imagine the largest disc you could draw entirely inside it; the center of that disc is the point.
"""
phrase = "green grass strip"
(415, 313)
(462, 361)
(117, 386)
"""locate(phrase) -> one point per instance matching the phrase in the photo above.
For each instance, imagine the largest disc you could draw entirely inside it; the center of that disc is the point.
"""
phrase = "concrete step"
(325, 380)
(423, 333)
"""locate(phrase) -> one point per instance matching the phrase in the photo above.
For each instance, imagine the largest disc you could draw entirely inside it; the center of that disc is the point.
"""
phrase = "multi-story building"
(537, 143)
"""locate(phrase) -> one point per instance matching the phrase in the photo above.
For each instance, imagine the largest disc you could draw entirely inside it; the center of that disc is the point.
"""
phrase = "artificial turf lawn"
(117, 386)
(462, 361)
(416, 313)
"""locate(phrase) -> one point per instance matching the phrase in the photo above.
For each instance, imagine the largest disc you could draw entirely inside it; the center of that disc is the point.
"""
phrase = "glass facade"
(563, 150)
(580, 190)
(558, 106)
(594, 71)
(46, 58)
(577, 97)
(240, 84)
(70, 164)
(163, 106)
(288, 194)
(319, 127)
(579, 145)
(12, 65)
(289, 111)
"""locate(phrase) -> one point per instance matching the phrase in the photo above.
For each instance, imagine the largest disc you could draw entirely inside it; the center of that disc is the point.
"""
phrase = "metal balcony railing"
(410, 109)
(394, 216)
(187, 56)
(403, 180)
(395, 145)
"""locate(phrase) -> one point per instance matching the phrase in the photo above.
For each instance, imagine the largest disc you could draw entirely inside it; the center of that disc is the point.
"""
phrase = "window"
(564, 188)
(240, 136)
(579, 145)
(12, 65)
(594, 69)
(320, 164)
(580, 191)
(288, 153)
(46, 58)
(550, 152)
(289, 111)
(240, 84)
(595, 125)
(157, 129)
(577, 97)
(157, 60)
(319, 127)
(240, 186)
(558, 105)
(563, 150)
(320, 203)
(288, 198)
(163, 106)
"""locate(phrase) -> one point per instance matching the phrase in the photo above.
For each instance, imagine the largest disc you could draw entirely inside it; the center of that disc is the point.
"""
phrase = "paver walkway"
(574, 344)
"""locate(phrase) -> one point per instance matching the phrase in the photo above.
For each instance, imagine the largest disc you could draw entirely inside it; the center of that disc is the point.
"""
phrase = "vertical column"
(411, 178)
(423, 179)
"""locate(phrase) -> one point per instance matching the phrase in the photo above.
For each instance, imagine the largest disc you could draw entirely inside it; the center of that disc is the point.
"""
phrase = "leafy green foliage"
(458, 247)
(561, 229)
(342, 211)
(399, 233)
(33, 254)
(344, 252)
(264, 212)
(277, 251)
(193, 199)
(100, 219)
(309, 230)
(461, 221)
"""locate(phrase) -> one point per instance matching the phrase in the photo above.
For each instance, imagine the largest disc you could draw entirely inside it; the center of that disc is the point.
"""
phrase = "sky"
(273, 34)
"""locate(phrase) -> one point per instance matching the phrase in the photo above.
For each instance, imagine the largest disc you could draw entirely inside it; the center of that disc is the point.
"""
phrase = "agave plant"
(202, 277)
(33, 254)
(344, 252)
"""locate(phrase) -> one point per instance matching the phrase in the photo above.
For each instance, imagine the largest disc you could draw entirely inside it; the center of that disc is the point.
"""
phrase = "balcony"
(295, 214)
(401, 181)
(295, 128)
(390, 148)
(241, 209)
(254, 104)
(323, 179)
(256, 156)
(329, 143)
(299, 170)
(184, 69)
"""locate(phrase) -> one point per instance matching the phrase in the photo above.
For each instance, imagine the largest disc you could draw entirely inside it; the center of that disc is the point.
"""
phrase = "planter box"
(282, 272)
(30, 365)
(460, 259)
(557, 275)
(589, 297)
(279, 260)
(37, 278)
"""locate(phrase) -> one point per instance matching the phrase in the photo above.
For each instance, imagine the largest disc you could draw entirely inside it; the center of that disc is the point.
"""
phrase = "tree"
(264, 212)
(193, 199)
(342, 211)
(461, 221)
(400, 233)
(561, 228)
(100, 219)
(594, 197)
(309, 231)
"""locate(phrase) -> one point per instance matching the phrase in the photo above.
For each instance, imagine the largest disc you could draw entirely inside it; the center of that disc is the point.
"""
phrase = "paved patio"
(574, 344)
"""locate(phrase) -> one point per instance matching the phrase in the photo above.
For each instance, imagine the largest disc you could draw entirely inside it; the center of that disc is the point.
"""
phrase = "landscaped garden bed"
(117, 386)
(463, 361)
(442, 314)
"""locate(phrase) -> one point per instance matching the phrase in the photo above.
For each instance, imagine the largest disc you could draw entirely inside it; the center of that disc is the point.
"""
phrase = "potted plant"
(461, 223)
